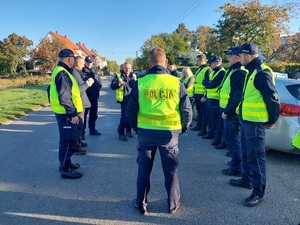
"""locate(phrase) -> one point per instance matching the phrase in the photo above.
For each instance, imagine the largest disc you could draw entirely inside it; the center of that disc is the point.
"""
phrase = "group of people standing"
(234, 107)
(73, 94)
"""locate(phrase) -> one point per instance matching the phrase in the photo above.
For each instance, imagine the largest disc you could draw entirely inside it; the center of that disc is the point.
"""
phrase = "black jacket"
(129, 82)
(237, 80)
(264, 84)
(184, 107)
(93, 91)
(216, 81)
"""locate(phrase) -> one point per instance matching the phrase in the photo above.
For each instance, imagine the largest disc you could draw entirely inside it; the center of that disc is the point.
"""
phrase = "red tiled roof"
(68, 44)
(85, 49)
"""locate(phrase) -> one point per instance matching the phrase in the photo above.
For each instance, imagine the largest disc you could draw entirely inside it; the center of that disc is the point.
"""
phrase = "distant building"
(79, 49)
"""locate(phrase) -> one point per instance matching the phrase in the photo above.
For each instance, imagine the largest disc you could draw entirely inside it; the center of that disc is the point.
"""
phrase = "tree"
(184, 33)
(173, 45)
(250, 21)
(45, 55)
(112, 67)
(289, 51)
(201, 38)
(13, 50)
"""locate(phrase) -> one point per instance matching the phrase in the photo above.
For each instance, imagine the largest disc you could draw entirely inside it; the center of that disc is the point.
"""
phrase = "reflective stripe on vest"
(200, 75)
(226, 88)
(190, 89)
(213, 93)
(159, 102)
(119, 91)
(54, 99)
(253, 106)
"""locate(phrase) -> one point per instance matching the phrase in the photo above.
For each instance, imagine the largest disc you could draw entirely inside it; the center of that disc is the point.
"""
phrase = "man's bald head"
(157, 56)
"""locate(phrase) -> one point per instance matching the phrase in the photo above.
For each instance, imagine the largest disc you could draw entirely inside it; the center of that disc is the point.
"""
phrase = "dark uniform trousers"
(232, 137)
(213, 115)
(168, 148)
(67, 139)
(124, 125)
(254, 155)
(92, 115)
(201, 109)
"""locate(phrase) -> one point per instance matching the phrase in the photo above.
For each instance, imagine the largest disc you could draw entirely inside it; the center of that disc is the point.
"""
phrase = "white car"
(288, 123)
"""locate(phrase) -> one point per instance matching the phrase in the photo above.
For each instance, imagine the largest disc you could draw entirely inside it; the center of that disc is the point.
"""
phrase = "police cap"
(233, 50)
(249, 48)
(88, 59)
(66, 53)
(215, 58)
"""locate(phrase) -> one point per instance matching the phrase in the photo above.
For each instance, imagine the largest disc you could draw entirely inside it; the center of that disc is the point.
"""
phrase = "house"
(65, 40)
(98, 59)
(101, 61)
(79, 49)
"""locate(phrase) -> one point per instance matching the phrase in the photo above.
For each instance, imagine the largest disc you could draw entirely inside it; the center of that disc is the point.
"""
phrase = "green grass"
(16, 102)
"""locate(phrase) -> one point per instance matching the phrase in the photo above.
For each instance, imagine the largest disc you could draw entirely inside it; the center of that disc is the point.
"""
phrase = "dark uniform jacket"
(216, 81)
(237, 79)
(184, 108)
(129, 82)
(263, 82)
(82, 86)
(93, 91)
(175, 73)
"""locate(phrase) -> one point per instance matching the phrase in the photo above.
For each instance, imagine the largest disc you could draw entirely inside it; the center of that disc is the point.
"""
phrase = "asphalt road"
(32, 192)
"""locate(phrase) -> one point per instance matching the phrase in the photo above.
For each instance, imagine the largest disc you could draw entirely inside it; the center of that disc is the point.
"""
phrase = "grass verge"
(16, 102)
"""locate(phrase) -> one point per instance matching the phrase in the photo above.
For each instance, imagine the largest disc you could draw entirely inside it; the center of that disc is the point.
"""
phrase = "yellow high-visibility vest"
(190, 89)
(159, 102)
(253, 106)
(75, 93)
(119, 91)
(213, 93)
(226, 89)
(199, 77)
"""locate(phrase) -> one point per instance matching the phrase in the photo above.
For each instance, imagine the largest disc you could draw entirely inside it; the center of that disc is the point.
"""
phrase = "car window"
(294, 90)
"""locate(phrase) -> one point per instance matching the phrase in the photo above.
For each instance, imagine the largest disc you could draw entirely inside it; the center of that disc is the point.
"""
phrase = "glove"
(90, 82)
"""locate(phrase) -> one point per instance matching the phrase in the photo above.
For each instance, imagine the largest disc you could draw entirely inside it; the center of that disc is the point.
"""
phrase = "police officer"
(66, 103)
(123, 83)
(213, 98)
(199, 90)
(259, 110)
(158, 110)
(230, 97)
(89, 71)
(173, 70)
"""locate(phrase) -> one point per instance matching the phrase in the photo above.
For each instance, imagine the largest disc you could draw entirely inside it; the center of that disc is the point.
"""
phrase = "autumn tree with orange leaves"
(251, 21)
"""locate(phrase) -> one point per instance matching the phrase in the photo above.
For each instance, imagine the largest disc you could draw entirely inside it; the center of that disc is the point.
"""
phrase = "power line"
(180, 11)
(184, 12)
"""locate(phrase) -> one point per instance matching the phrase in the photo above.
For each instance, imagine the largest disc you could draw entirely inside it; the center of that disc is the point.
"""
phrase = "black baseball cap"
(66, 53)
(233, 50)
(88, 59)
(249, 48)
(215, 59)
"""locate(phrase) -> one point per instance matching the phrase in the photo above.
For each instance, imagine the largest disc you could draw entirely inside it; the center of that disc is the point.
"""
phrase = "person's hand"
(75, 120)
(203, 99)
(90, 82)
(270, 126)
(224, 116)
(121, 83)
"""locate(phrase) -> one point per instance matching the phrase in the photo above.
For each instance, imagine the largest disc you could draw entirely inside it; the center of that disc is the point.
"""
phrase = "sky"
(117, 29)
